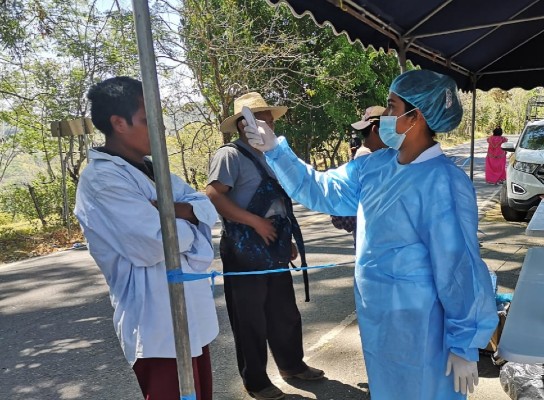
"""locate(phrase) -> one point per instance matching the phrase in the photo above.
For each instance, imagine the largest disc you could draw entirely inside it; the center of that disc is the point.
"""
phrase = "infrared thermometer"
(250, 119)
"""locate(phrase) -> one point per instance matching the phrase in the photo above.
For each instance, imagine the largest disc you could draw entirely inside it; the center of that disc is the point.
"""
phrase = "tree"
(195, 141)
(20, 23)
(9, 149)
(233, 46)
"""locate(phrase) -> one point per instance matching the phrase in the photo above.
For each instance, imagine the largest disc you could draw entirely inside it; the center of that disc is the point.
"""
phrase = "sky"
(104, 5)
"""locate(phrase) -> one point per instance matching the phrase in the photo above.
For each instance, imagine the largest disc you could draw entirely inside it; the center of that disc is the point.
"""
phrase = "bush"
(22, 242)
(5, 219)
(41, 199)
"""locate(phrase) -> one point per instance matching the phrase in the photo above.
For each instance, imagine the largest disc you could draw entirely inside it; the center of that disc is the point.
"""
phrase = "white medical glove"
(261, 137)
(465, 373)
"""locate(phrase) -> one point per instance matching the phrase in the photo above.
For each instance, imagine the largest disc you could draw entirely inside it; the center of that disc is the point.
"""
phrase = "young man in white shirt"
(115, 205)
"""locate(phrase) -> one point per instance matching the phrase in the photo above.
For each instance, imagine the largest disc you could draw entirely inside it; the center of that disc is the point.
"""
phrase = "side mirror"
(508, 146)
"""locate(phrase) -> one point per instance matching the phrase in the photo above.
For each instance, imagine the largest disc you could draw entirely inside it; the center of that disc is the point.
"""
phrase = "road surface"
(58, 341)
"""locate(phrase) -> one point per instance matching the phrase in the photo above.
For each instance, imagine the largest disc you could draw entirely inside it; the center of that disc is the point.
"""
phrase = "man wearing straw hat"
(257, 237)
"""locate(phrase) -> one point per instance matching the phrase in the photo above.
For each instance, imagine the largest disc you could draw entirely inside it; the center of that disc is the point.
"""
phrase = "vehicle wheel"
(508, 212)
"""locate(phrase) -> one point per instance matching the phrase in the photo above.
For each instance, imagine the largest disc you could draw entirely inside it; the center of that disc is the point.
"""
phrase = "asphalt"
(58, 342)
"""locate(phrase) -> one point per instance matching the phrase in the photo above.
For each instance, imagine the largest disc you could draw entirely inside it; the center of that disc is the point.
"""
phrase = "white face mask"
(388, 130)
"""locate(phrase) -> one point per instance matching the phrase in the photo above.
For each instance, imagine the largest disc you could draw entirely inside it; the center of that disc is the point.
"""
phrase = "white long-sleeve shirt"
(122, 227)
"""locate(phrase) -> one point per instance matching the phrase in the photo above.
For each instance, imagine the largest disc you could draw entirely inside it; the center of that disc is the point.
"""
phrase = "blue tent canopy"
(482, 44)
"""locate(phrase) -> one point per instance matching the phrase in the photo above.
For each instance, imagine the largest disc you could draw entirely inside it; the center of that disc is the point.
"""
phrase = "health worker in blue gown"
(425, 302)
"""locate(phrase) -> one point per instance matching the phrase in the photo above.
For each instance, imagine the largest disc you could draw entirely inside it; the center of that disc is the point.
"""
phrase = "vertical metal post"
(401, 54)
(473, 128)
(65, 217)
(85, 138)
(164, 193)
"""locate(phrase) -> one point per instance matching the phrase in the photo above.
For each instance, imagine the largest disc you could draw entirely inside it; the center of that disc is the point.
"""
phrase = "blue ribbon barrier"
(465, 162)
(178, 276)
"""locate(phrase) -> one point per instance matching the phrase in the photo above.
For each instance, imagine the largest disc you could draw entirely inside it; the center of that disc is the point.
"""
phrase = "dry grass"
(493, 215)
(25, 242)
(447, 141)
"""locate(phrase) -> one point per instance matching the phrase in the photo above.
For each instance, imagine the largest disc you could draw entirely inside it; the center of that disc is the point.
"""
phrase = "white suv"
(524, 184)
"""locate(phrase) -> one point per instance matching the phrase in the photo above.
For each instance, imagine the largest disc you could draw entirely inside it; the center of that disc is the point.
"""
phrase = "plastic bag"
(523, 381)
(493, 276)
(503, 300)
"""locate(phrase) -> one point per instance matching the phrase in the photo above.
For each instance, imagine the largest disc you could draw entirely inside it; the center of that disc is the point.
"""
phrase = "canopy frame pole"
(473, 127)
(429, 16)
(401, 55)
(142, 23)
(477, 27)
(453, 56)
(386, 29)
(510, 51)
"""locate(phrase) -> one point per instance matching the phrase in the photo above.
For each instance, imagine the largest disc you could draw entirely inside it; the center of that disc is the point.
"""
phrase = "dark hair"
(409, 107)
(237, 121)
(366, 131)
(120, 96)
(497, 131)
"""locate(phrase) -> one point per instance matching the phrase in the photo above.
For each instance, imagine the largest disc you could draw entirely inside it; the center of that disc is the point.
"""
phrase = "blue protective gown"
(421, 287)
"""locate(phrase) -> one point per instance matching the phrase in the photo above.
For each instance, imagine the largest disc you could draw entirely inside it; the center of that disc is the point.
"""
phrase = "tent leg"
(402, 56)
(473, 128)
(152, 101)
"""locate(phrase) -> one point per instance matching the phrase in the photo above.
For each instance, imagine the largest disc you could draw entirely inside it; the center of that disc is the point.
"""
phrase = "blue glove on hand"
(465, 373)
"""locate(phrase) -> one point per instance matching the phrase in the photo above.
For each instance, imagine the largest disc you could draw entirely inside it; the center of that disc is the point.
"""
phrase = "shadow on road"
(329, 389)
(56, 331)
(48, 361)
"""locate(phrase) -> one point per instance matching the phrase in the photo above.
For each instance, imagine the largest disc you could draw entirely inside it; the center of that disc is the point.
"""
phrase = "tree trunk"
(193, 179)
(36, 205)
(183, 164)
(335, 153)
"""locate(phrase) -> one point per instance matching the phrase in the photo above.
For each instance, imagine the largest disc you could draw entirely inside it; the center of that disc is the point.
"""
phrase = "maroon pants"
(158, 377)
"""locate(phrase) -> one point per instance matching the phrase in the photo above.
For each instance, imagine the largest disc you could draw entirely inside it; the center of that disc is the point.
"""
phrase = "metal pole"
(65, 217)
(473, 128)
(164, 193)
(85, 138)
(402, 55)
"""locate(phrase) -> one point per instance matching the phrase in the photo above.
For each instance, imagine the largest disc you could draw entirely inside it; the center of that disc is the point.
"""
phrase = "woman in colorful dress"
(495, 162)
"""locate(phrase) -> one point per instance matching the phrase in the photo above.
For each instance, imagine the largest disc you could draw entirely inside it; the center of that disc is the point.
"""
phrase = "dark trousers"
(262, 308)
(158, 377)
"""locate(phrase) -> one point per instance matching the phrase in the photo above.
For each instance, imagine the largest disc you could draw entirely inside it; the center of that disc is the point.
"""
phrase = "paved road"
(58, 342)
(487, 194)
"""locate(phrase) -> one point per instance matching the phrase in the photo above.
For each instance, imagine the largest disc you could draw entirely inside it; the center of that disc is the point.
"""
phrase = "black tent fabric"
(482, 44)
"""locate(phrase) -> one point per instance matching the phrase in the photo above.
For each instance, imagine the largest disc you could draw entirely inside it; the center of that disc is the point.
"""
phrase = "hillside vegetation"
(208, 53)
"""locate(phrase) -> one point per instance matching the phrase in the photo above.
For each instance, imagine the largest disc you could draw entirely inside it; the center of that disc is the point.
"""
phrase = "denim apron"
(247, 246)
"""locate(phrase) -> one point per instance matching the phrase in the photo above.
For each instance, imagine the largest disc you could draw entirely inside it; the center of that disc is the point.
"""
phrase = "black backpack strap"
(299, 240)
(245, 152)
(297, 232)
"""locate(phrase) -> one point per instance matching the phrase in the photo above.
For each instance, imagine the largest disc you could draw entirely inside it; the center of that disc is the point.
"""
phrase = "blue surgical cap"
(434, 94)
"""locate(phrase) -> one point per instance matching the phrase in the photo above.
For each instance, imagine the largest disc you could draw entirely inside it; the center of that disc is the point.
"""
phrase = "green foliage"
(240, 45)
(208, 53)
(20, 23)
(493, 108)
(17, 201)
(191, 148)
(5, 218)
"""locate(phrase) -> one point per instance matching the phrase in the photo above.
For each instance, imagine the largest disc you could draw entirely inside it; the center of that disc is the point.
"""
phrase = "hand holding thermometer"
(250, 119)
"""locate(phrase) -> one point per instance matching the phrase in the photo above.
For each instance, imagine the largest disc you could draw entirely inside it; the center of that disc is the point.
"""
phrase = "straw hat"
(255, 103)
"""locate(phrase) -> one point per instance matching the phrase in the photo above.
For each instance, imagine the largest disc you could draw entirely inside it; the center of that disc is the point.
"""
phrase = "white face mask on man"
(388, 130)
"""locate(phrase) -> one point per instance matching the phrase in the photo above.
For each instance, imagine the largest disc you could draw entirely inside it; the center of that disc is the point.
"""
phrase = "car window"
(533, 138)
